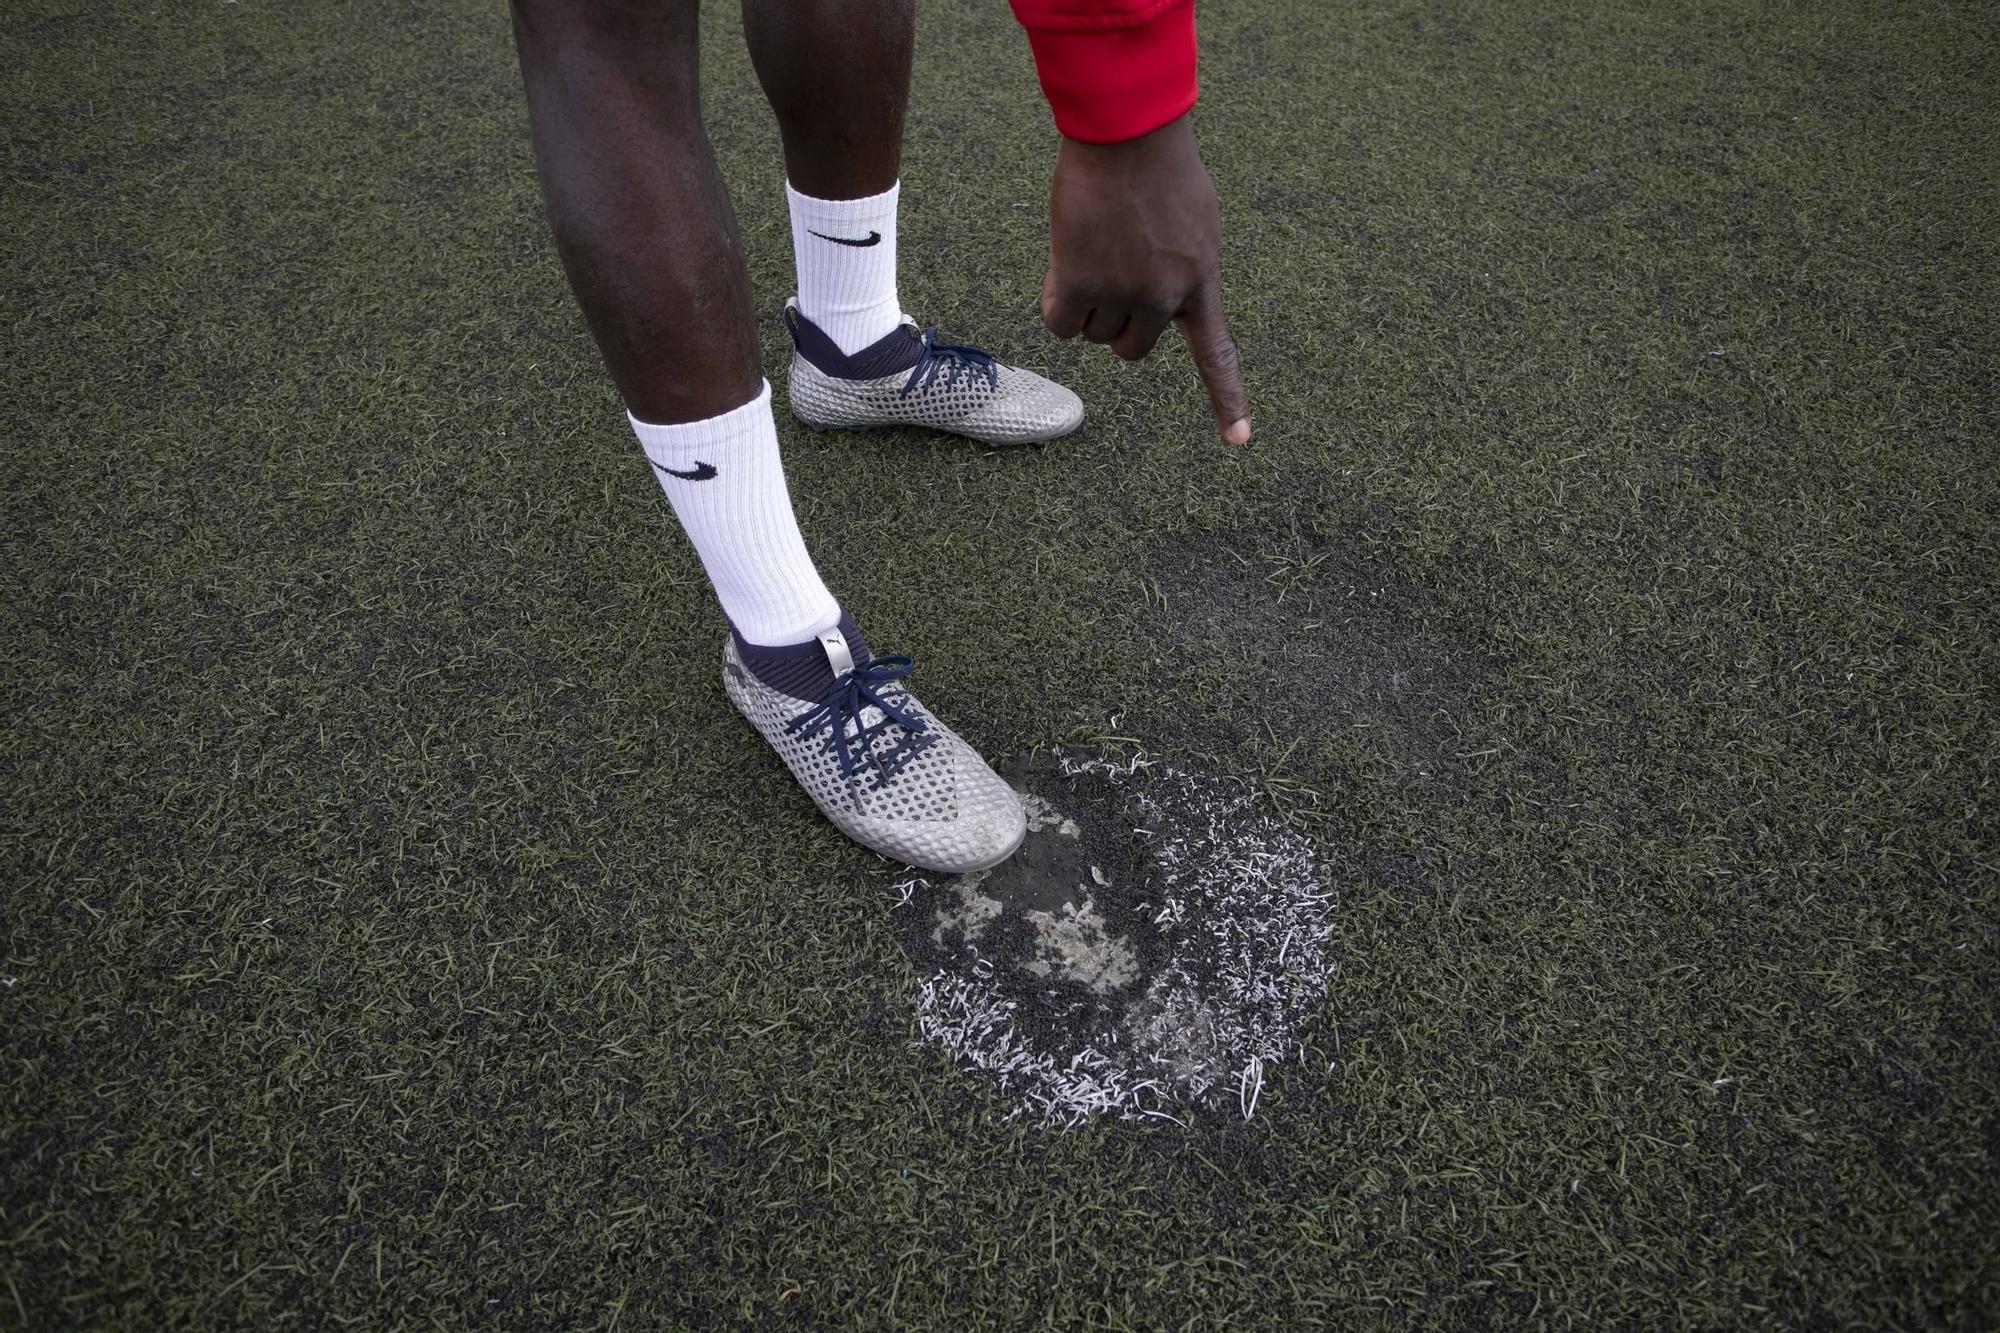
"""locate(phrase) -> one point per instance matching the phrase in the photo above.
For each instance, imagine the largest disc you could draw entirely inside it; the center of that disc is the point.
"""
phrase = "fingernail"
(1239, 433)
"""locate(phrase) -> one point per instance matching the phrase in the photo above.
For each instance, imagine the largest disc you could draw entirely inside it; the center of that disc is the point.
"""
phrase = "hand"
(1133, 234)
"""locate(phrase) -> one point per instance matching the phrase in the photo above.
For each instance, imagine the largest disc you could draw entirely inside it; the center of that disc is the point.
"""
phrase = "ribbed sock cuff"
(726, 483)
(845, 253)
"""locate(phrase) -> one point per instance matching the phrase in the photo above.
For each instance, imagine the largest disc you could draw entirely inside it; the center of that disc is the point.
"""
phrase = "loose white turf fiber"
(1221, 958)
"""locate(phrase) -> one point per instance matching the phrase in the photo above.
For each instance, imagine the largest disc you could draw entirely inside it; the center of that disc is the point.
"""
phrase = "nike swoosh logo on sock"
(702, 471)
(874, 238)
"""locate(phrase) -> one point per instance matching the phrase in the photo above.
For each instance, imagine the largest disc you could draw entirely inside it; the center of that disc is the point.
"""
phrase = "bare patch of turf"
(1317, 632)
(1154, 945)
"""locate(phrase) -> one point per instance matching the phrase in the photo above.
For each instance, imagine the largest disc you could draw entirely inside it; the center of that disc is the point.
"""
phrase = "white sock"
(730, 497)
(848, 290)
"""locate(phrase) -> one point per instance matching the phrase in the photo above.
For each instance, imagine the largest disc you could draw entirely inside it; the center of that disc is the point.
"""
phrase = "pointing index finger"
(1207, 334)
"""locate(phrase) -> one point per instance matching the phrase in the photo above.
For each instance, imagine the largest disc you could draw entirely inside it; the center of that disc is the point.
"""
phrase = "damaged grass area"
(1158, 940)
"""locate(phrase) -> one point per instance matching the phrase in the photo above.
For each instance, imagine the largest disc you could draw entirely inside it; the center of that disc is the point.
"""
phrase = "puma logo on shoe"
(702, 471)
(874, 238)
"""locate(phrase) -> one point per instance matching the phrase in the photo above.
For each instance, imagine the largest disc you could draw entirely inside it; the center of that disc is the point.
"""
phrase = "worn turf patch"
(1313, 630)
(1152, 947)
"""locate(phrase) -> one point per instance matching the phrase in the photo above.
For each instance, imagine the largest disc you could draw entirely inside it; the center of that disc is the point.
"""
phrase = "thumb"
(1060, 313)
(1207, 334)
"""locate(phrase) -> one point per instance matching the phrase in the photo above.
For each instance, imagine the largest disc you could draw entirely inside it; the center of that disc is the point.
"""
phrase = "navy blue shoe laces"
(949, 360)
(851, 693)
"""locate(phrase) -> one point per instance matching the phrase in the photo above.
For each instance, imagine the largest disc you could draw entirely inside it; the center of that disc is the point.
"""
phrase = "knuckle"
(1218, 357)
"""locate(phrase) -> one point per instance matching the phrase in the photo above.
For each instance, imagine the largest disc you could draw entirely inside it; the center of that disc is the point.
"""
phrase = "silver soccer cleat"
(881, 767)
(911, 379)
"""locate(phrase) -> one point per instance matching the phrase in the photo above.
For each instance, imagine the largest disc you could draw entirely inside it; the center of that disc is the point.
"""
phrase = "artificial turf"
(400, 929)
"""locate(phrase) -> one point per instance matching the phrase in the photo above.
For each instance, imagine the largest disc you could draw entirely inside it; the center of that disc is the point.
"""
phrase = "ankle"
(800, 670)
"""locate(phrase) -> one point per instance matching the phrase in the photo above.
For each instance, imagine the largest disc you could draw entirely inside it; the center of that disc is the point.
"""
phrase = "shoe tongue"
(837, 657)
(802, 670)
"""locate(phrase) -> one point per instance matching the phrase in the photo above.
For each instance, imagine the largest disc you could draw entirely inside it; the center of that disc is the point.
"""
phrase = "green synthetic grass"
(400, 930)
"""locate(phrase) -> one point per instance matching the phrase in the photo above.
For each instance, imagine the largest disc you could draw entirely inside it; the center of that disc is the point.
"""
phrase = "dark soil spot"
(1305, 638)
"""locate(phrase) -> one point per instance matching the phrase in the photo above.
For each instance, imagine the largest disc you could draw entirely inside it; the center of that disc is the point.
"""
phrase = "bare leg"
(837, 72)
(639, 212)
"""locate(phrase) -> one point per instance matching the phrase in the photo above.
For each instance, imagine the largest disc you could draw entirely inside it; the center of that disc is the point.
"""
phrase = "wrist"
(1149, 155)
(1170, 139)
